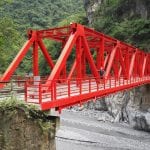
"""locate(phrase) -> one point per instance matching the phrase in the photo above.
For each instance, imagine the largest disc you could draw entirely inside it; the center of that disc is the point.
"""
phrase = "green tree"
(119, 19)
(78, 18)
(20, 15)
(10, 41)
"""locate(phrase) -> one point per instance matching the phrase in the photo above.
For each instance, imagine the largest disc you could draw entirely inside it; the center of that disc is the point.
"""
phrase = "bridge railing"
(64, 90)
(38, 92)
(13, 88)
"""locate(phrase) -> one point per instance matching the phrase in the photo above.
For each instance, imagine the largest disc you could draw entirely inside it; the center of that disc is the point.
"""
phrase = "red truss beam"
(94, 55)
(107, 49)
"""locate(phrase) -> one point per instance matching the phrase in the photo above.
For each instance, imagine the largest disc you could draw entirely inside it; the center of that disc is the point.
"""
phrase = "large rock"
(99, 104)
(138, 108)
(116, 105)
(25, 128)
(132, 106)
(141, 121)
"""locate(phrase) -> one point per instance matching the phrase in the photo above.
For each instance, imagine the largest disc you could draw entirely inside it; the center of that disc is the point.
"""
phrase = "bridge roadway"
(63, 94)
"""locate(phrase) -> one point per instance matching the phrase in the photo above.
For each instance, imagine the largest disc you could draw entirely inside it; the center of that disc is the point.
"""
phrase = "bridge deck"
(73, 92)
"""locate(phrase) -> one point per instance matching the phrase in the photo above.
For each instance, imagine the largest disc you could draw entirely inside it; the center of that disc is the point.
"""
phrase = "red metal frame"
(93, 49)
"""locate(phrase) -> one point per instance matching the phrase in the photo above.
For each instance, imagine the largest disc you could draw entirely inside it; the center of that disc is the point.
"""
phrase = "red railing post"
(110, 82)
(54, 90)
(130, 79)
(80, 86)
(104, 82)
(68, 88)
(97, 85)
(89, 84)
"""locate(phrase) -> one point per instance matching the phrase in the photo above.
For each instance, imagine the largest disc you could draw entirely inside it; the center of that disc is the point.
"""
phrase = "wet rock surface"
(25, 128)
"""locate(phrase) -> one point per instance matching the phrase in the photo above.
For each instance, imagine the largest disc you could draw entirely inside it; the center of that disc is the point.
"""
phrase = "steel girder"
(114, 57)
(92, 50)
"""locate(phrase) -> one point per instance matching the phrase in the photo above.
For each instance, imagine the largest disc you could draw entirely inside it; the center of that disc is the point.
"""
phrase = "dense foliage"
(40, 13)
(127, 20)
(16, 16)
(10, 41)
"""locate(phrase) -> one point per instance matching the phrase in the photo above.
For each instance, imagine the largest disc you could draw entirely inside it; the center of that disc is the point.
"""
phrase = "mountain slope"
(17, 16)
(40, 13)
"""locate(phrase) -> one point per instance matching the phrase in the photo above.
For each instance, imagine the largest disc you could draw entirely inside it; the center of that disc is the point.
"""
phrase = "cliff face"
(25, 128)
(129, 8)
(136, 8)
(127, 20)
(90, 7)
(132, 107)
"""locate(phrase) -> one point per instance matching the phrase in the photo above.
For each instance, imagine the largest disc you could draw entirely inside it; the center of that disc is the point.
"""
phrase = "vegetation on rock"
(12, 106)
(127, 20)
(22, 125)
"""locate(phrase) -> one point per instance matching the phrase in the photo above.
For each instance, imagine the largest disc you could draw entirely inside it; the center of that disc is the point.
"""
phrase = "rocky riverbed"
(80, 130)
(117, 122)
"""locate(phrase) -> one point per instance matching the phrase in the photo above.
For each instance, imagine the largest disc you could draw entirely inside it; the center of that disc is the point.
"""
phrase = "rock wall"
(129, 8)
(25, 128)
(132, 8)
(99, 105)
(131, 106)
(90, 7)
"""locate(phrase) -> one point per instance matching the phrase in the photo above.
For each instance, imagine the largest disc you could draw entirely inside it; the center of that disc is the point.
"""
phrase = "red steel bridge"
(90, 65)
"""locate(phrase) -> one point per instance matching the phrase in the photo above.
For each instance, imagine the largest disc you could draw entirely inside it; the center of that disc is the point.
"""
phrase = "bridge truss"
(91, 64)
